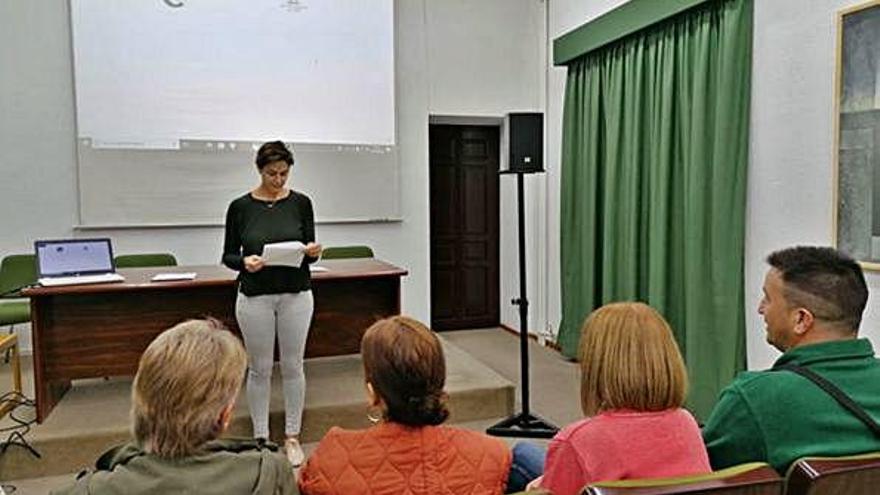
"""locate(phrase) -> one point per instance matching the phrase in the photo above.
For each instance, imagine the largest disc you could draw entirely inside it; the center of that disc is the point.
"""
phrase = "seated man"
(812, 306)
(182, 399)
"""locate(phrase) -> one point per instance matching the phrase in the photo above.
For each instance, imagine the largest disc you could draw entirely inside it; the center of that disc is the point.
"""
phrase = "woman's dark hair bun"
(430, 409)
(273, 151)
(434, 409)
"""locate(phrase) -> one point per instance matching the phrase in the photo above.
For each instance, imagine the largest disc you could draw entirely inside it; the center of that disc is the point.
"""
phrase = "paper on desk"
(167, 277)
(284, 253)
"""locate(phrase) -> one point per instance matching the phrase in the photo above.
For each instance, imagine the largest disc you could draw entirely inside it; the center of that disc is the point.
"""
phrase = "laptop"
(75, 261)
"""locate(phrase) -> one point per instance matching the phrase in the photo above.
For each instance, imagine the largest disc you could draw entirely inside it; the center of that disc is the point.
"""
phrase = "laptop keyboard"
(102, 278)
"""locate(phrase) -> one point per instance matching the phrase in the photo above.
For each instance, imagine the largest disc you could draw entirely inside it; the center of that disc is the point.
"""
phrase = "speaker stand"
(523, 424)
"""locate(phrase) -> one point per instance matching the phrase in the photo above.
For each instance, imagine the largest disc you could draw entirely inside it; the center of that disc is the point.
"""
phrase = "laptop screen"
(74, 257)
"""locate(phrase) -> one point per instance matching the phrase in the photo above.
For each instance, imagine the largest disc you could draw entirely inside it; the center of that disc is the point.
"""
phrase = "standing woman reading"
(273, 300)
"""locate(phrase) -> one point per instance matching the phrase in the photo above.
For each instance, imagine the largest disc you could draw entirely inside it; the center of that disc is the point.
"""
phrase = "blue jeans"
(527, 464)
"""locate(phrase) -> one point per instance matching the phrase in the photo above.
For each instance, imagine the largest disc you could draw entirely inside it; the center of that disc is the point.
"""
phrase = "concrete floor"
(554, 388)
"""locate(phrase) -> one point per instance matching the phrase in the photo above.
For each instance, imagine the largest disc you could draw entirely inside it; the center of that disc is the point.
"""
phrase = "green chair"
(339, 252)
(754, 478)
(144, 260)
(17, 271)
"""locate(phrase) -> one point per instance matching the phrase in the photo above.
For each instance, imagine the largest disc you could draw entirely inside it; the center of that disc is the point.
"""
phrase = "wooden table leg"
(52, 393)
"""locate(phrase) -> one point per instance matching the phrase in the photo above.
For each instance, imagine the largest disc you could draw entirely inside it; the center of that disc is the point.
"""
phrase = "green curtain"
(654, 156)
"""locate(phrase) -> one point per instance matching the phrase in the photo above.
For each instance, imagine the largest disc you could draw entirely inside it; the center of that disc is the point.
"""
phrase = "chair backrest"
(755, 478)
(851, 475)
(17, 271)
(337, 252)
(144, 260)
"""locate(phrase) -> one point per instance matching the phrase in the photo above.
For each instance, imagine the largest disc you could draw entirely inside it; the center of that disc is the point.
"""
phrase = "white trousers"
(261, 318)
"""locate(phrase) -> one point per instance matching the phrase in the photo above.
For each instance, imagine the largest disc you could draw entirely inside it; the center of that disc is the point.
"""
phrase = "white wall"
(790, 192)
(790, 176)
(471, 58)
(38, 185)
(459, 58)
(449, 62)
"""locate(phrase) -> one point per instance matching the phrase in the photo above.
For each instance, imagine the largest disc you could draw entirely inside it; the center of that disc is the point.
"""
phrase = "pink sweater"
(618, 445)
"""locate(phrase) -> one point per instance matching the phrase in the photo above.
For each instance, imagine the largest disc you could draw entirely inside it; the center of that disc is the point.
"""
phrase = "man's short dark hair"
(828, 283)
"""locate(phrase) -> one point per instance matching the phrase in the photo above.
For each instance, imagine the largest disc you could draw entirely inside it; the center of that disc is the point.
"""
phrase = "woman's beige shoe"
(294, 452)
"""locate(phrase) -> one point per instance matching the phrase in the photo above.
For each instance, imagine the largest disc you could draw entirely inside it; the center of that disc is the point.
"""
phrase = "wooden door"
(464, 226)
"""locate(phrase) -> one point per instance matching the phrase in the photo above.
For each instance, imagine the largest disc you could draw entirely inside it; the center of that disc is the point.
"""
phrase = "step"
(94, 414)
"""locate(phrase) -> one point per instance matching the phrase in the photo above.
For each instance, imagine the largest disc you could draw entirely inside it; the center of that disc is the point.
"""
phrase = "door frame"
(482, 121)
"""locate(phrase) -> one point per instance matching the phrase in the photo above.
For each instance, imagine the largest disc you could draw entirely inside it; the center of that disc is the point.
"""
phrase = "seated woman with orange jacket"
(406, 451)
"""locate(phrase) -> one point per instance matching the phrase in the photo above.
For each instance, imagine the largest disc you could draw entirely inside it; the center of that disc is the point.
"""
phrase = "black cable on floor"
(22, 427)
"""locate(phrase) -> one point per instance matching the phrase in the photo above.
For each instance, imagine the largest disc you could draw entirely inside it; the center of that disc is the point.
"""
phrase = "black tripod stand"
(523, 424)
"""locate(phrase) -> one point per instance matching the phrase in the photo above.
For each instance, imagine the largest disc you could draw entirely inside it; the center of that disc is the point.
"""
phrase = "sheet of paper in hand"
(284, 253)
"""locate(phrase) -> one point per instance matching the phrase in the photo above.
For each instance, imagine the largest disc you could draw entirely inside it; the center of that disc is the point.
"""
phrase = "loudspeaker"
(526, 142)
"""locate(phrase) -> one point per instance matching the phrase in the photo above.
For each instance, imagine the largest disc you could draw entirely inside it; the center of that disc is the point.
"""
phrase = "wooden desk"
(90, 331)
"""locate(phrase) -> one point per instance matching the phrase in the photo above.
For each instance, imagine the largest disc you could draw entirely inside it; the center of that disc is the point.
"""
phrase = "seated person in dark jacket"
(812, 307)
(182, 400)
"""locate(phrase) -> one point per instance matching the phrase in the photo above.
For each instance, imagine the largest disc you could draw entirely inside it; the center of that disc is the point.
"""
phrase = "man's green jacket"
(778, 416)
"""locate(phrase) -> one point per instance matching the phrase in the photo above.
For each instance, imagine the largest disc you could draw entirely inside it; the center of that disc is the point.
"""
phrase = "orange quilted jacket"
(393, 459)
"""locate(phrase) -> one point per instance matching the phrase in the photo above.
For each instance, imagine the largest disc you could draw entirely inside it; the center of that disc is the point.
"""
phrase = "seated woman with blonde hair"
(406, 451)
(633, 386)
(182, 400)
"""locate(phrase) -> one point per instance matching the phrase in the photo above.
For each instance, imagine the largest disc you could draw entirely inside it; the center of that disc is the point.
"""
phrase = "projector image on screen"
(152, 73)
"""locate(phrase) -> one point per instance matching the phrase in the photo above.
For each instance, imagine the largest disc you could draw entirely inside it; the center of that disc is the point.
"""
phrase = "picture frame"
(857, 134)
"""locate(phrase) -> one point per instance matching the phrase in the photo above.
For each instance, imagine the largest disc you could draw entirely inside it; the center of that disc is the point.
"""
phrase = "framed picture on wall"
(857, 105)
